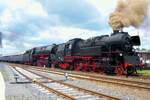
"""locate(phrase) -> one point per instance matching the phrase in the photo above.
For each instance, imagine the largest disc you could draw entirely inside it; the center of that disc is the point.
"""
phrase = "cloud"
(104, 7)
(30, 23)
(10, 48)
(75, 13)
(19, 15)
(144, 31)
(6, 18)
(26, 23)
(62, 34)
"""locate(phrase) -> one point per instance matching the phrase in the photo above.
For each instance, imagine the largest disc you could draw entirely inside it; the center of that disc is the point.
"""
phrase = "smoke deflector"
(135, 40)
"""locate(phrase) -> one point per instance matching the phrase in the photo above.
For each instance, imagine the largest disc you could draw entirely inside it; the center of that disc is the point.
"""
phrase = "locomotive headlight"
(120, 54)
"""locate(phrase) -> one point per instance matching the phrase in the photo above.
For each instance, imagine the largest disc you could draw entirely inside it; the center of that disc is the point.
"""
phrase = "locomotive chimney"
(118, 30)
(121, 29)
(115, 31)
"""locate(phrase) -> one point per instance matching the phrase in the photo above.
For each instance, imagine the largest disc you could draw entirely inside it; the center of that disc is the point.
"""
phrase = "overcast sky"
(29, 23)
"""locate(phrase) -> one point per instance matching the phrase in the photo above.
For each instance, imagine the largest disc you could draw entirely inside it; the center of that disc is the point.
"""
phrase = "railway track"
(142, 77)
(86, 73)
(67, 91)
(96, 78)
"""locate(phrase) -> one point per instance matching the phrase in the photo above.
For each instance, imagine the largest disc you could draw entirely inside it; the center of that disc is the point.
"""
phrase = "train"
(112, 53)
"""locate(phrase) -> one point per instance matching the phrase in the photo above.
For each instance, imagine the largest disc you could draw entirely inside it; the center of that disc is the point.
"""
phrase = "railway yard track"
(61, 89)
(98, 78)
(142, 77)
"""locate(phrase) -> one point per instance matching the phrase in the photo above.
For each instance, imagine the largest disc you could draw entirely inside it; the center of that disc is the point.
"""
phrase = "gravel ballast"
(122, 92)
(23, 89)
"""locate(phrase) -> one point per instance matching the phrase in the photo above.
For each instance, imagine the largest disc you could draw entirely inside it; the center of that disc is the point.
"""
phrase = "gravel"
(124, 93)
(27, 73)
(24, 89)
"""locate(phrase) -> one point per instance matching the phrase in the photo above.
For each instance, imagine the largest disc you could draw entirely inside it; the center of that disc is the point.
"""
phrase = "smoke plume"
(129, 13)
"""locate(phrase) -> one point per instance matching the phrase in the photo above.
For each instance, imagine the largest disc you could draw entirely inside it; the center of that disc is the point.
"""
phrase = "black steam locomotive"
(111, 54)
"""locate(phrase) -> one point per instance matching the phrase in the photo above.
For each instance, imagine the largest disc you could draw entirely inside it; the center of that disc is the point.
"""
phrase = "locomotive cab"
(60, 53)
(71, 46)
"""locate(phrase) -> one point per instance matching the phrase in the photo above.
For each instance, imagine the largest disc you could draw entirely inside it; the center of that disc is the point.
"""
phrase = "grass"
(144, 72)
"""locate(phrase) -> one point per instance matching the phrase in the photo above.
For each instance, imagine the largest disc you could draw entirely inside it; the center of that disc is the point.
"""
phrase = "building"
(145, 56)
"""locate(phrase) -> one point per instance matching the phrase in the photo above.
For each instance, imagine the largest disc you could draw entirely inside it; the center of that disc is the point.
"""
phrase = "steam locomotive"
(110, 54)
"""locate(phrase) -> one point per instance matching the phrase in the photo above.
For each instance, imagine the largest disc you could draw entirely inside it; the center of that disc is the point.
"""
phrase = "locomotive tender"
(111, 54)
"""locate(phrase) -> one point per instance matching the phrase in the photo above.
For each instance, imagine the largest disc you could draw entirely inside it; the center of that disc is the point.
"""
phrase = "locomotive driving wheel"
(130, 70)
(77, 67)
(71, 67)
(101, 70)
(119, 70)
